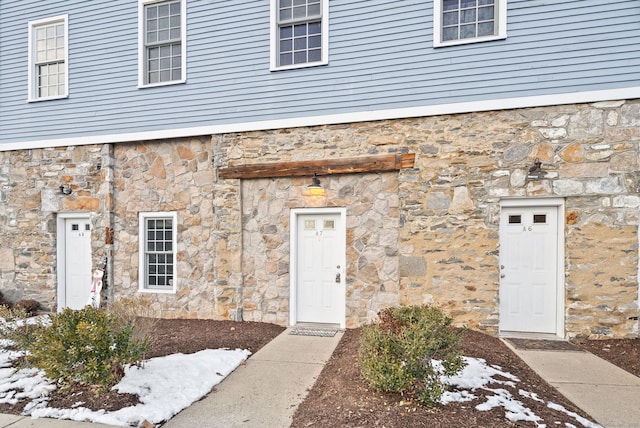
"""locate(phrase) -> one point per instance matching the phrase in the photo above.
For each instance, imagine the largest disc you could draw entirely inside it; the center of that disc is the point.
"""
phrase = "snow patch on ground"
(477, 374)
(583, 421)
(165, 385)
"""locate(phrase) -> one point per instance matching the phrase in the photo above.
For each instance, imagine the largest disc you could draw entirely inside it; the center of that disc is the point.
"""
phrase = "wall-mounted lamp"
(536, 172)
(315, 189)
(65, 189)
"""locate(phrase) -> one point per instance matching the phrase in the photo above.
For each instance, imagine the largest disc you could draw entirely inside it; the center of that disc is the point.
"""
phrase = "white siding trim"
(141, 55)
(362, 116)
(31, 84)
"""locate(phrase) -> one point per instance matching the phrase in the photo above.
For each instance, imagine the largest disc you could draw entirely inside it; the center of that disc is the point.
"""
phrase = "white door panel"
(77, 278)
(319, 273)
(528, 269)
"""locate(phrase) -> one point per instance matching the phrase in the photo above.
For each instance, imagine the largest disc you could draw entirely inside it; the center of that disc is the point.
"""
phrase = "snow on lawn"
(477, 374)
(165, 386)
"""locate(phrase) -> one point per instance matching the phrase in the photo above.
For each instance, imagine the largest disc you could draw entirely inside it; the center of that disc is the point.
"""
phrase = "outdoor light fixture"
(65, 189)
(536, 172)
(315, 189)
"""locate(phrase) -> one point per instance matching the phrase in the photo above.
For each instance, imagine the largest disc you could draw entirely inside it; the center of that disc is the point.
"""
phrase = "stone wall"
(449, 208)
(372, 239)
(429, 234)
(29, 200)
(174, 175)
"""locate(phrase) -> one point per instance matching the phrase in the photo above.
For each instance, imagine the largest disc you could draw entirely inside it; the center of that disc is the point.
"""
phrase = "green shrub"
(395, 353)
(15, 327)
(84, 347)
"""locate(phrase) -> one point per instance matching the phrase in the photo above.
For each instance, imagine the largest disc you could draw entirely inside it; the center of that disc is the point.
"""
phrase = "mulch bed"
(341, 398)
(623, 353)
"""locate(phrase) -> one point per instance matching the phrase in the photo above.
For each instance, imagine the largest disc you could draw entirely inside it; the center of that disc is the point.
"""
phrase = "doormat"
(542, 345)
(308, 331)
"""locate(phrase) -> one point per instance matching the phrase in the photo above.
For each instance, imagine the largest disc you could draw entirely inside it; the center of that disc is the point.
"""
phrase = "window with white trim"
(162, 49)
(300, 33)
(157, 251)
(467, 21)
(48, 58)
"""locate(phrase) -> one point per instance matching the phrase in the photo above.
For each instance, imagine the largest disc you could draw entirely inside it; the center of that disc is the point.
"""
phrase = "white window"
(157, 252)
(48, 59)
(467, 21)
(299, 33)
(162, 40)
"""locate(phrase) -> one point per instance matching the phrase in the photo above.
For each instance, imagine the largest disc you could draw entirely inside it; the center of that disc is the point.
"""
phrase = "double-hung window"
(48, 59)
(162, 50)
(467, 21)
(299, 33)
(157, 251)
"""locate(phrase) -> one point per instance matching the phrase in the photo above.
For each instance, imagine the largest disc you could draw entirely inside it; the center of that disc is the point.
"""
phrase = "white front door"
(76, 281)
(320, 268)
(529, 269)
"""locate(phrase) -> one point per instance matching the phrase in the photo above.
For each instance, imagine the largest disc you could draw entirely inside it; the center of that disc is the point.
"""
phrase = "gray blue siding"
(381, 56)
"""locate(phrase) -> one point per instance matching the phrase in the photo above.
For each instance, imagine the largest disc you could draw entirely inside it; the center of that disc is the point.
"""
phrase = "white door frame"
(293, 259)
(560, 206)
(61, 251)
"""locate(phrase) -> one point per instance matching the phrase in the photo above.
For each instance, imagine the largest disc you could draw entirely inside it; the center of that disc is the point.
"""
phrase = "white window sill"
(467, 41)
(296, 66)
(157, 290)
(37, 100)
(154, 85)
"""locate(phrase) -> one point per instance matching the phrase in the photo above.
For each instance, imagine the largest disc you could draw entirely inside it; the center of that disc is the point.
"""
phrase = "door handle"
(502, 275)
(338, 278)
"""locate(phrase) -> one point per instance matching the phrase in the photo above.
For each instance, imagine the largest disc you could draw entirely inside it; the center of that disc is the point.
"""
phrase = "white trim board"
(334, 119)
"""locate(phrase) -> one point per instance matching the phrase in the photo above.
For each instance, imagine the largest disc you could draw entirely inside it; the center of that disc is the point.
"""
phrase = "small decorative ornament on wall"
(65, 189)
(536, 172)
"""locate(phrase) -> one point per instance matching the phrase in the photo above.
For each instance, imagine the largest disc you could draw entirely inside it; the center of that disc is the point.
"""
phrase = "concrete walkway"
(14, 421)
(267, 390)
(606, 392)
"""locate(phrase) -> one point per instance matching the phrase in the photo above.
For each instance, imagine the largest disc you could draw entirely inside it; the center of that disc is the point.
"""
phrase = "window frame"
(142, 48)
(324, 38)
(32, 85)
(143, 285)
(500, 22)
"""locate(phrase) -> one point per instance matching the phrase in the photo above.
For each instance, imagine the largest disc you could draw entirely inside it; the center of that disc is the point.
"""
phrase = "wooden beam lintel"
(376, 163)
